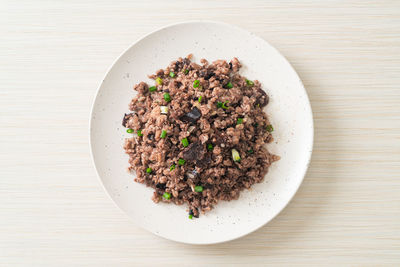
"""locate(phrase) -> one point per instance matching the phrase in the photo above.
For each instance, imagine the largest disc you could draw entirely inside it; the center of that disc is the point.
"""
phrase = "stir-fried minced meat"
(218, 115)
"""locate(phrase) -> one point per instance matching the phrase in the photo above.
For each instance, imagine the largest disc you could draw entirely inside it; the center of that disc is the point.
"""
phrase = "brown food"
(206, 115)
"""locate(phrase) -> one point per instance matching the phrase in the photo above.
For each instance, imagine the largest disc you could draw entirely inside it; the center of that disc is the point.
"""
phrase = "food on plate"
(199, 133)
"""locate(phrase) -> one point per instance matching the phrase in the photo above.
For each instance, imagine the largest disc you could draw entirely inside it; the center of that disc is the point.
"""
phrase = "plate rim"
(308, 103)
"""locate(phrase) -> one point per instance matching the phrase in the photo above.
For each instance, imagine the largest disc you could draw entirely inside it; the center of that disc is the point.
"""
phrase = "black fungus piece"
(209, 75)
(150, 136)
(230, 65)
(186, 61)
(178, 84)
(161, 186)
(196, 214)
(191, 212)
(194, 152)
(126, 118)
(263, 99)
(206, 74)
(192, 116)
(178, 65)
(204, 162)
(222, 79)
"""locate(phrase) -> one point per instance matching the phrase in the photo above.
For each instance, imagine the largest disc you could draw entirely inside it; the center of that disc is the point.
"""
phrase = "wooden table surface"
(53, 210)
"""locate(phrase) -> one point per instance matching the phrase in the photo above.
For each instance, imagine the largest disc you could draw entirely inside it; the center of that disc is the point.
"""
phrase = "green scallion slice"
(185, 142)
(159, 80)
(181, 162)
(164, 110)
(129, 131)
(235, 155)
(196, 83)
(198, 188)
(229, 85)
(163, 134)
(166, 195)
(167, 97)
(249, 83)
(152, 89)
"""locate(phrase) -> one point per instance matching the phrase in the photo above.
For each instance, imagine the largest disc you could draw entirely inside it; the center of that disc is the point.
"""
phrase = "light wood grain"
(53, 210)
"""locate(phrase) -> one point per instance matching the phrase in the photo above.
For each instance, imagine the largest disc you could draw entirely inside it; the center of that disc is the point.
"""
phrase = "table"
(53, 210)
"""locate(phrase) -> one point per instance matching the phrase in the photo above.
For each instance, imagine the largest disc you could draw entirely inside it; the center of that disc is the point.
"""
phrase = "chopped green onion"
(185, 142)
(172, 167)
(191, 216)
(167, 97)
(229, 85)
(171, 74)
(149, 170)
(186, 71)
(198, 188)
(129, 131)
(139, 133)
(210, 147)
(200, 97)
(181, 162)
(239, 120)
(196, 83)
(270, 128)
(235, 155)
(250, 151)
(152, 89)
(167, 195)
(224, 106)
(159, 80)
(163, 134)
(258, 105)
(249, 83)
(164, 109)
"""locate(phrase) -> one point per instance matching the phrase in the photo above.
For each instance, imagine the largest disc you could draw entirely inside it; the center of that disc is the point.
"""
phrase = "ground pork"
(186, 128)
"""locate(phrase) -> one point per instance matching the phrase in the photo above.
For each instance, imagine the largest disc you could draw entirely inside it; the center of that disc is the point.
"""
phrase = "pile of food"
(198, 133)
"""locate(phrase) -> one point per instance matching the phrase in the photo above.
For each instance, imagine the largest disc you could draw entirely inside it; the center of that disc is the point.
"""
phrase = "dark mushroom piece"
(150, 136)
(194, 152)
(161, 186)
(126, 118)
(209, 75)
(194, 213)
(192, 116)
(263, 99)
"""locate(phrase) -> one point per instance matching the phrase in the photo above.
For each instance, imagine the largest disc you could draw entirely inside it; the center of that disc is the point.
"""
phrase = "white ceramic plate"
(289, 110)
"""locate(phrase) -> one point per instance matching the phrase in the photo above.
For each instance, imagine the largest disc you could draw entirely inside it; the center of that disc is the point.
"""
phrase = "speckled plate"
(289, 110)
